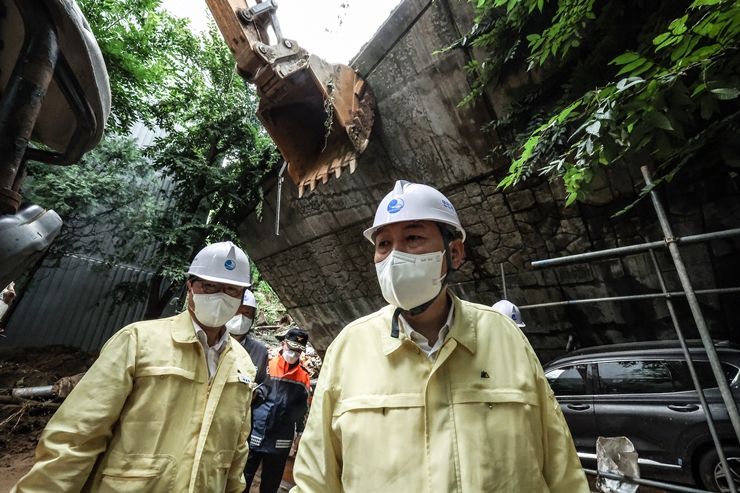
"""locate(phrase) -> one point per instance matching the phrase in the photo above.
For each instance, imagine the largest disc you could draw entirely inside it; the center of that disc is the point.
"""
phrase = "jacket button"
(490, 405)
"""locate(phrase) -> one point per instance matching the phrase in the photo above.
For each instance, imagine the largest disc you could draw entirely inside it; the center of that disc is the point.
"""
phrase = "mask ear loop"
(447, 239)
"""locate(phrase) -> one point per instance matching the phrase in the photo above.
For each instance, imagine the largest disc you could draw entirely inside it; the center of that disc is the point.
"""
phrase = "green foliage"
(215, 151)
(268, 303)
(140, 43)
(209, 165)
(639, 82)
(110, 187)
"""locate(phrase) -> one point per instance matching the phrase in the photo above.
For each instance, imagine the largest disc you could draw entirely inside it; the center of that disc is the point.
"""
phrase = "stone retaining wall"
(321, 266)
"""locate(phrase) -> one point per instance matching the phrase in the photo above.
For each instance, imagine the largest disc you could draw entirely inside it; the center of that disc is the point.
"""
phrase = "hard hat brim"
(369, 232)
(222, 280)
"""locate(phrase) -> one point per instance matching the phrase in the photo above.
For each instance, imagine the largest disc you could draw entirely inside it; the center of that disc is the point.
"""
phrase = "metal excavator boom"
(319, 114)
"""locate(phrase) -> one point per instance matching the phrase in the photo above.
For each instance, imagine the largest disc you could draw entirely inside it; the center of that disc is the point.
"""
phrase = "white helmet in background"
(222, 262)
(249, 299)
(414, 202)
(506, 307)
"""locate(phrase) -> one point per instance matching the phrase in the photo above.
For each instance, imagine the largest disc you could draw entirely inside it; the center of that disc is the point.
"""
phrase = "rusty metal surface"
(22, 99)
(320, 115)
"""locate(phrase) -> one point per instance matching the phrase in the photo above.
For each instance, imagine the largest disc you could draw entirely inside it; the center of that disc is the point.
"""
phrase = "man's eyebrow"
(413, 226)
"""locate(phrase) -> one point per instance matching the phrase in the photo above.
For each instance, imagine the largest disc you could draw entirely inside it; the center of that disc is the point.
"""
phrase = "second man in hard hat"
(432, 393)
(165, 407)
(509, 309)
(239, 327)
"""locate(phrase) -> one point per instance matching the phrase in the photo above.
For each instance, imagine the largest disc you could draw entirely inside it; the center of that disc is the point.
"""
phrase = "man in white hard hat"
(432, 393)
(509, 309)
(239, 327)
(165, 407)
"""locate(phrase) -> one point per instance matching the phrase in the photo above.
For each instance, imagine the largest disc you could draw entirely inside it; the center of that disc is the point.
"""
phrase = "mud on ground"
(20, 426)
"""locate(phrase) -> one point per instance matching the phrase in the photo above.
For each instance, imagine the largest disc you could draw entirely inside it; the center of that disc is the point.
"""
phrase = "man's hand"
(259, 394)
(294, 448)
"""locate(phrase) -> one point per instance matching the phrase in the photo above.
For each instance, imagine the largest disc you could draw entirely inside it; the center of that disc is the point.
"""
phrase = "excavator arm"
(319, 115)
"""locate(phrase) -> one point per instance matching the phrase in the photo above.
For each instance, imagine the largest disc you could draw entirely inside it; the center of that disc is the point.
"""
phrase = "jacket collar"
(183, 332)
(182, 328)
(463, 328)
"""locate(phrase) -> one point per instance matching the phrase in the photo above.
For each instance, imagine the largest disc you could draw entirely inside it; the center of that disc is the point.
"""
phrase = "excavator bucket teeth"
(319, 114)
(320, 119)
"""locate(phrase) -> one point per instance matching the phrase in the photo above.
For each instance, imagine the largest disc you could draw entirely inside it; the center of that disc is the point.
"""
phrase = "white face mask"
(239, 325)
(409, 280)
(214, 310)
(290, 356)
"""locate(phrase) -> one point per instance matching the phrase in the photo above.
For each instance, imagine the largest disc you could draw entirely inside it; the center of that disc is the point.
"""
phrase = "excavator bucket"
(319, 115)
(321, 122)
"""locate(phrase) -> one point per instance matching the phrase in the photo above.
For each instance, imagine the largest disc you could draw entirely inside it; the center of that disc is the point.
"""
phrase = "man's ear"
(457, 253)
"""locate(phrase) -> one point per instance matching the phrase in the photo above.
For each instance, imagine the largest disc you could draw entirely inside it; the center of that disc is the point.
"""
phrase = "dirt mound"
(21, 424)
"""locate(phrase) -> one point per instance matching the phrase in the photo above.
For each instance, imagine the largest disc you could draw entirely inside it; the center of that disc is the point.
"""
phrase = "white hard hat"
(506, 307)
(222, 262)
(248, 299)
(414, 202)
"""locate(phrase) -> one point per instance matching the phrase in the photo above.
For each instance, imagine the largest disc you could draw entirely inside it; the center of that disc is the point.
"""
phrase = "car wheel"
(713, 476)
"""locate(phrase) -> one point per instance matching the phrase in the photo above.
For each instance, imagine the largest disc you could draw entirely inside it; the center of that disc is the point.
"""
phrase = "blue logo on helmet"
(395, 205)
(230, 264)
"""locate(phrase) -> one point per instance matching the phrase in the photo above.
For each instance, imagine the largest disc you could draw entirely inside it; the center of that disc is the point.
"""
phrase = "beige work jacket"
(481, 417)
(145, 418)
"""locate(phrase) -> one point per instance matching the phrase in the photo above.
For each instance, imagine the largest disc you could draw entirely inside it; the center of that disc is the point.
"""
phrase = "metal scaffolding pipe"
(701, 325)
(643, 482)
(633, 249)
(630, 297)
(694, 376)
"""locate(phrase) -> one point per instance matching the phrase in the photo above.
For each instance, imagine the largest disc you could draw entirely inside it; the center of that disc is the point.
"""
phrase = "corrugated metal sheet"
(145, 136)
(71, 302)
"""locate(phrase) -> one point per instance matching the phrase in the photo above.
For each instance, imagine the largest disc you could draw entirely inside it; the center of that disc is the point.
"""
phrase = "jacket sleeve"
(236, 482)
(318, 465)
(80, 429)
(561, 466)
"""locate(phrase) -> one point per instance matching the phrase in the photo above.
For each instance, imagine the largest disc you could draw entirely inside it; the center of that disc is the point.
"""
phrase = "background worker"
(165, 407)
(432, 394)
(239, 327)
(509, 309)
(279, 419)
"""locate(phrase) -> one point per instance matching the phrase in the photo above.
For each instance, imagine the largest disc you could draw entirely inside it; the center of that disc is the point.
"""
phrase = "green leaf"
(594, 128)
(625, 58)
(563, 115)
(725, 93)
(703, 3)
(701, 87)
(678, 26)
(628, 82)
(660, 39)
(658, 120)
(632, 66)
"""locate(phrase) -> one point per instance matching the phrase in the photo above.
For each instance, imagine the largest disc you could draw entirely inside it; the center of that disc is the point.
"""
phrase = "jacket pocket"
(223, 459)
(506, 423)
(163, 371)
(390, 427)
(218, 480)
(138, 474)
(494, 396)
(370, 402)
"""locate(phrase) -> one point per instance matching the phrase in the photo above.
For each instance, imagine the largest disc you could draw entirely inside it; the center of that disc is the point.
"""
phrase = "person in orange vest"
(279, 418)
